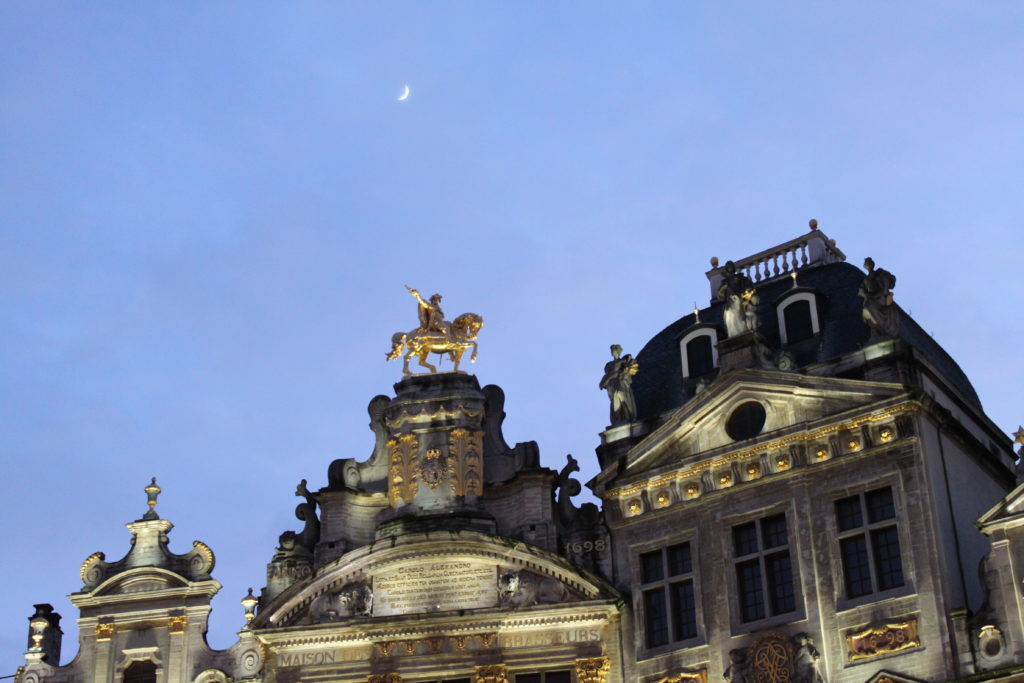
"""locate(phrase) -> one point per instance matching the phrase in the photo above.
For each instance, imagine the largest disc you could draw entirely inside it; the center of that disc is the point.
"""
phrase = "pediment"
(421, 575)
(791, 403)
(889, 677)
(141, 580)
(1008, 512)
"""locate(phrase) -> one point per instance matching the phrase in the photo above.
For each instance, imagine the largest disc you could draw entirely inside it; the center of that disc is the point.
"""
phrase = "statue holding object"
(618, 382)
(436, 335)
(741, 300)
(879, 312)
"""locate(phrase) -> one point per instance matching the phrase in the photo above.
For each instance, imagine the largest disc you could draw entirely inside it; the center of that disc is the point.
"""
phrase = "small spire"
(792, 274)
(696, 313)
(152, 491)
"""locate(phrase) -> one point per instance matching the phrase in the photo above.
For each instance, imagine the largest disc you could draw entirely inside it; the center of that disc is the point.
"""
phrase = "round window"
(746, 421)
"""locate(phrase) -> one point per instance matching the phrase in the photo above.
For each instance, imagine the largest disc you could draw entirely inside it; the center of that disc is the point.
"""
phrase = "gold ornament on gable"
(466, 462)
(403, 470)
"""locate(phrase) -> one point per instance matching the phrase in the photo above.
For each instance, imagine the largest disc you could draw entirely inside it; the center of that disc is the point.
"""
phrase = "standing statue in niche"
(879, 311)
(618, 382)
(741, 300)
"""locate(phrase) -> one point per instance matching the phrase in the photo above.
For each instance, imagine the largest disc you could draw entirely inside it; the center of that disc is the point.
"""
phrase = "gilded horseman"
(436, 335)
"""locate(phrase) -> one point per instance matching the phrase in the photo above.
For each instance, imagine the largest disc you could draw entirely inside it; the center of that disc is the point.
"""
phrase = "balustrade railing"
(811, 249)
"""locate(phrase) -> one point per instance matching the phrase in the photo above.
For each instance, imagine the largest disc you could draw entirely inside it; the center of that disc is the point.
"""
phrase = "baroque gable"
(430, 573)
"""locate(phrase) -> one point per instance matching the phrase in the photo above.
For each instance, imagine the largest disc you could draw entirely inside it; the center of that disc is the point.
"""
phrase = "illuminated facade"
(793, 485)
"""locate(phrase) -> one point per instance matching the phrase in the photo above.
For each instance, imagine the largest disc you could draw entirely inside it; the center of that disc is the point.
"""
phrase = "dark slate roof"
(659, 387)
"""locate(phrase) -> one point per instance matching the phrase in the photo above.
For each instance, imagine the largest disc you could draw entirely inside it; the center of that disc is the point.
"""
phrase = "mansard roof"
(659, 387)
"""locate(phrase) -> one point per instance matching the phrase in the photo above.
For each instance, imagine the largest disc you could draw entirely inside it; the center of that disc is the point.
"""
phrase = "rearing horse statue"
(436, 335)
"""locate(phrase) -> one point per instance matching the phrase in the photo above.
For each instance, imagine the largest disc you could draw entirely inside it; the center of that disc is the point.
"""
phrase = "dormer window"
(798, 316)
(699, 352)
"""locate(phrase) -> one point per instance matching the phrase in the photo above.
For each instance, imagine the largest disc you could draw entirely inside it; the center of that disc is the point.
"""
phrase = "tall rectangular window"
(670, 610)
(764, 573)
(869, 543)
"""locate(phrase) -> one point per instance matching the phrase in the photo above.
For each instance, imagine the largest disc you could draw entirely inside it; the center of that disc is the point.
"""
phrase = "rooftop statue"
(740, 297)
(436, 335)
(618, 382)
(879, 313)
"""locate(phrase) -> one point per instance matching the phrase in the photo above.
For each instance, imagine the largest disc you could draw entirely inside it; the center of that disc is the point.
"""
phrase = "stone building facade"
(798, 484)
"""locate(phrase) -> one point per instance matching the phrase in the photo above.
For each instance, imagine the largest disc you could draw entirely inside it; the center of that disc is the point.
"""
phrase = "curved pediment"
(424, 573)
(141, 580)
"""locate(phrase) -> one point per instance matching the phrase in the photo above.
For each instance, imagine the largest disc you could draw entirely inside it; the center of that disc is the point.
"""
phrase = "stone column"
(102, 671)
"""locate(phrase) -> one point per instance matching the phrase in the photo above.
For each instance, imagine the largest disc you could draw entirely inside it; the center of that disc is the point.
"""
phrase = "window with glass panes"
(545, 677)
(764, 574)
(670, 612)
(869, 543)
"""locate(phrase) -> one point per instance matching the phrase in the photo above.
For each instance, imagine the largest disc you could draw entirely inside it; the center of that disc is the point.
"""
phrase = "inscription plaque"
(434, 586)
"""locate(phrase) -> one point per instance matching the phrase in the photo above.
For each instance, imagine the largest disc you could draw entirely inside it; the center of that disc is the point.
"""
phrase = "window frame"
(701, 331)
(770, 617)
(866, 530)
(664, 585)
(789, 299)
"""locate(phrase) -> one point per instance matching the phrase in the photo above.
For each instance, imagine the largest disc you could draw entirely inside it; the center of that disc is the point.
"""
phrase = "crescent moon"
(405, 95)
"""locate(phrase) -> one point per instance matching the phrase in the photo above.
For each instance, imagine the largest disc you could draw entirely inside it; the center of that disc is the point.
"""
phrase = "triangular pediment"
(890, 677)
(429, 574)
(791, 403)
(1008, 512)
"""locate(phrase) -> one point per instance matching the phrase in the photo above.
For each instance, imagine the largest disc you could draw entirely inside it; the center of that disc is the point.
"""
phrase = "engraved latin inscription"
(434, 586)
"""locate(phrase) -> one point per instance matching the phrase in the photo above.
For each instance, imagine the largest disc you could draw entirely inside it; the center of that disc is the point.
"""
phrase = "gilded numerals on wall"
(592, 669)
(403, 471)
(384, 678)
(876, 640)
(466, 462)
(491, 673)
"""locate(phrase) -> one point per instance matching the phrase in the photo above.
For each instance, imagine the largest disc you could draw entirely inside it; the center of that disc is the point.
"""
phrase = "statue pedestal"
(747, 350)
(435, 438)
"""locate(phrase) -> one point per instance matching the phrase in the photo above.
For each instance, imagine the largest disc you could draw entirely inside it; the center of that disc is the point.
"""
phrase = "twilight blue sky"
(208, 211)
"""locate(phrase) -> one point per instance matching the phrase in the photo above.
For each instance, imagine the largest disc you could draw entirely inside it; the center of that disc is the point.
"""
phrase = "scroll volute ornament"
(491, 673)
(403, 471)
(592, 669)
(466, 462)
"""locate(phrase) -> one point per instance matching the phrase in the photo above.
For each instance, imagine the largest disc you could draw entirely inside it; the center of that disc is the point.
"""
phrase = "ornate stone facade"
(786, 488)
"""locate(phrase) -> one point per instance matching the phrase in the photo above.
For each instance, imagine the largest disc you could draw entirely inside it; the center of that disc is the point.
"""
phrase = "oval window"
(746, 421)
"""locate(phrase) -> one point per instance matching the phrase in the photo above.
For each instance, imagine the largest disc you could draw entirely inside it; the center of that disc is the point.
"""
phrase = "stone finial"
(714, 261)
(813, 224)
(152, 491)
(249, 603)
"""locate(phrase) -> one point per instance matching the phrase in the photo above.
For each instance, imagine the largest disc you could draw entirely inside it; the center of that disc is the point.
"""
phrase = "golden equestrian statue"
(436, 335)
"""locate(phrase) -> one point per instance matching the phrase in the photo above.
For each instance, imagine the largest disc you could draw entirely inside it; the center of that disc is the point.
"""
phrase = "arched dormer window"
(798, 316)
(699, 352)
